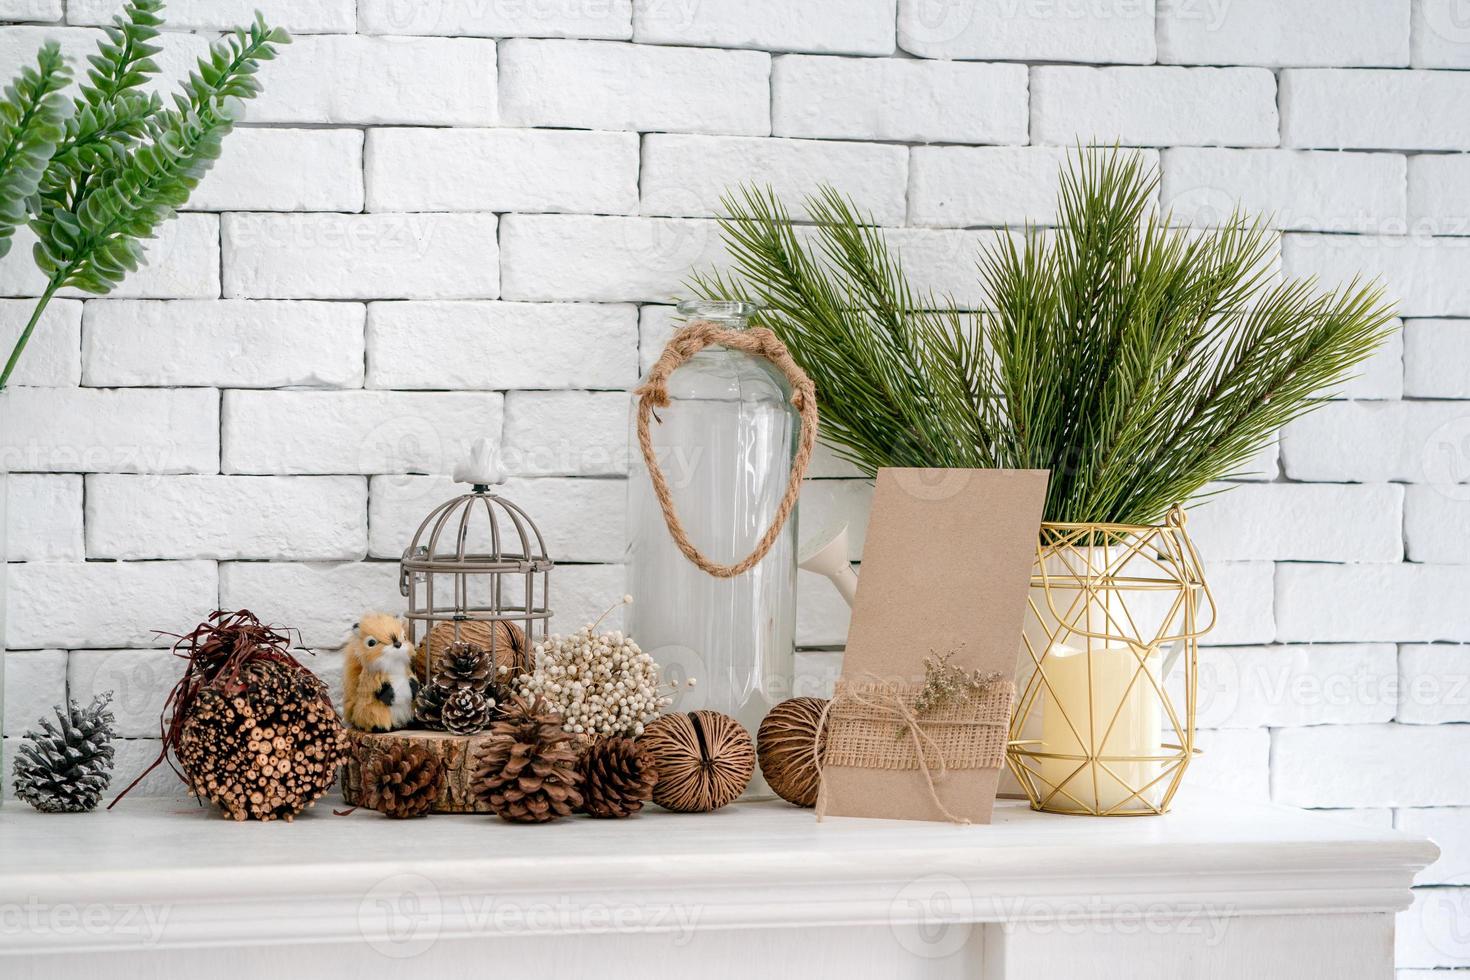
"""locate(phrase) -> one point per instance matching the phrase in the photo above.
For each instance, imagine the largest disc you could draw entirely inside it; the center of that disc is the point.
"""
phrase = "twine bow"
(886, 703)
(654, 393)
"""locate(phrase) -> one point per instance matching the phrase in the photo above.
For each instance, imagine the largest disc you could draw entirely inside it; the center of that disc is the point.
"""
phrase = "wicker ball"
(704, 760)
(784, 746)
(509, 640)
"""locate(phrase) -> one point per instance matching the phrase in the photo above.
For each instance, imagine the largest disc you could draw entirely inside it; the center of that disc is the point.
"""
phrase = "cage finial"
(483, 468)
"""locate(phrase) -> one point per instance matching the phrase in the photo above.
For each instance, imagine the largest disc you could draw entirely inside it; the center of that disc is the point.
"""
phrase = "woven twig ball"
(786, 748)
(704, 760)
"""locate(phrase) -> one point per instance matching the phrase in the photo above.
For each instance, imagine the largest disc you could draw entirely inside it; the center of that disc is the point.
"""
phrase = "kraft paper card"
(946, 567)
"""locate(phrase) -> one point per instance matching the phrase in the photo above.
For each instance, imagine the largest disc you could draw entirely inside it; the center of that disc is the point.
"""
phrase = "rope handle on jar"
(654, 393)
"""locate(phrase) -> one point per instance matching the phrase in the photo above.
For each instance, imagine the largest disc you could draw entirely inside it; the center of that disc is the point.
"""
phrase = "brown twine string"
(892, 702)
(654, 393)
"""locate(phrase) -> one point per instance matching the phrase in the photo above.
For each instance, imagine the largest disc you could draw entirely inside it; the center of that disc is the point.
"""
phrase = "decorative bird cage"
(477, 572)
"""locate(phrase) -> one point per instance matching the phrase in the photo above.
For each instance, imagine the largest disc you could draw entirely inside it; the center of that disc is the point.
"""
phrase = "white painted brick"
(827, 505)
(304, 518)
(1437, 524)
(354, 431)
(958, 186)
(1421, 276)
(1296, 191)
(1374, 442)
(543, 18)
(230, 343)
(1265, 464)
(687, 175)
(50, 358)
(1374, 109)
(502, 170)
(1245, 601)
(607, 85)
(177, 56)
(823, 26)
(104, 431)
(895, 99)
(1029, 30)
(1365, 765)
(566, 433)
(361, 256)
(822, 614)
(1434, 685)
(1439, 194)
(1440, 36)
(296, 16)
(181, 263)
(1381, 376)
(285, 170)
(1299, 522)
(1449, 827)
(140, 682)
(322, 600)
(1153, 106)
(553, 257)
(1271, 33)
(580, 520)
(1431, 932)
(131, 759)
(1285, 686)
(502, 345)
(1379, 818)
(106, 604)
(44, 517)
(942, 261)
(1435, 355)
(582, 593)
(1355, 603)
(358, 80)
(34, 681)
(1235, 762)
(38, 11)
(656, 324)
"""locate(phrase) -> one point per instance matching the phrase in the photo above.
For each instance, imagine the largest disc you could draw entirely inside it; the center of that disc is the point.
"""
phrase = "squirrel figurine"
(378, 682)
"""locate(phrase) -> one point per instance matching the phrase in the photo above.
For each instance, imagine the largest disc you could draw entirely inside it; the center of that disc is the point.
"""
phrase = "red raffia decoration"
(217, 650)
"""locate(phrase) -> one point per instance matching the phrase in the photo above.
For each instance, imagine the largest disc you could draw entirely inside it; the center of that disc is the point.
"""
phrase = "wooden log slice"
(454, 752)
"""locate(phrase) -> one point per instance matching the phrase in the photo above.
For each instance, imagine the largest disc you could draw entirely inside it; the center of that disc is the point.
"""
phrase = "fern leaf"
(32, 120)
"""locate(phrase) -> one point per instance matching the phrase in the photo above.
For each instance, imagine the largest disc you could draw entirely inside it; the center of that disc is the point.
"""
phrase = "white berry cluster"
(601, 683)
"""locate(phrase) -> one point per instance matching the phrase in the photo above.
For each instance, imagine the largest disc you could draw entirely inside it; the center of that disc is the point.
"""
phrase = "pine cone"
(464, 665)
(617, 776)
(466, 711)
(428, 706)
(66, 766)
(403, 781)
(527, 770)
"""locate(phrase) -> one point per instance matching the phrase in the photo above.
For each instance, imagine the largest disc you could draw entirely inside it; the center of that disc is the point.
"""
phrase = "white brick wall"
(451, 220)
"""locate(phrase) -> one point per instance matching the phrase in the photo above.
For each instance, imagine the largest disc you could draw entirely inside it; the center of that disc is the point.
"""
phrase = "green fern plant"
(1136, 361)
(33, 117)
(122, 162)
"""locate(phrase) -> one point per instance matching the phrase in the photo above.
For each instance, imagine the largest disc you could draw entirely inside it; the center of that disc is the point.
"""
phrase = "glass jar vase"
(725, 443)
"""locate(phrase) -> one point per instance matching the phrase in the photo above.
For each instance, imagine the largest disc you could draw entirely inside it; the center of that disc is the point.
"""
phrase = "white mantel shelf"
(363, 885)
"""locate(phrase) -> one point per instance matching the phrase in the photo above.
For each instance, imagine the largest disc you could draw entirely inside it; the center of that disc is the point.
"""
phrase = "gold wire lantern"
(1104, 720)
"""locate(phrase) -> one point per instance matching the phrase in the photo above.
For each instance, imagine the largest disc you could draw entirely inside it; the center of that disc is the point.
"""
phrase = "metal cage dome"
(477, 570)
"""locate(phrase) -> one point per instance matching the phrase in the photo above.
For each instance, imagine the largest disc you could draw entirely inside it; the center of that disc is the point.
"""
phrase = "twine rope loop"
(654, 393)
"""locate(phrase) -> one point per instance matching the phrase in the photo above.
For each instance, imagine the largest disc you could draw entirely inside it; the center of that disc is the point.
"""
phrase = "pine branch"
(1138, 362)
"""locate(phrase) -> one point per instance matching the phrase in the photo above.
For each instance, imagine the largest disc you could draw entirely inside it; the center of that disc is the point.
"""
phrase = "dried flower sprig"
(944, 683)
